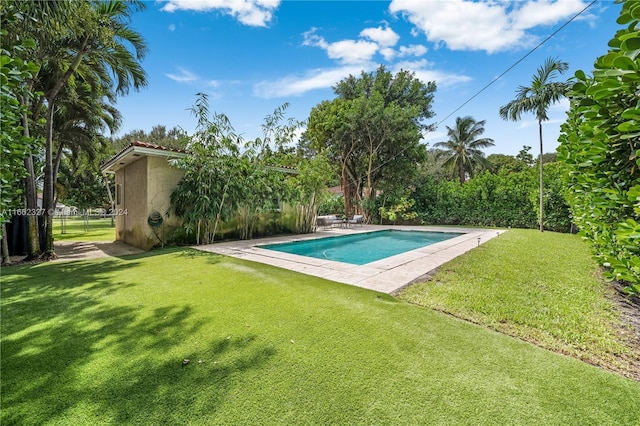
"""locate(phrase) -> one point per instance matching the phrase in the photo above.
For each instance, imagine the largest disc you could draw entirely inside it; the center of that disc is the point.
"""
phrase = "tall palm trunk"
(6, 259)
(47, 190)
(31, 196)
(48, 204)
(541, 180)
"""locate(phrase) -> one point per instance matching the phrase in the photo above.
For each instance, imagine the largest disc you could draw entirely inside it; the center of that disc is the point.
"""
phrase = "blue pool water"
(359, 249)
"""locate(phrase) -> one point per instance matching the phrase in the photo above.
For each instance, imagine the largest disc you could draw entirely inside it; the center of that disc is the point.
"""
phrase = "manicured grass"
(540, 287)
(102, 342)
(95, 229)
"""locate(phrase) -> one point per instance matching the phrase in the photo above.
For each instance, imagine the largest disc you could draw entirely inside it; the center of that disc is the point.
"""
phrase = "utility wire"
(549, 37)
(501, 75)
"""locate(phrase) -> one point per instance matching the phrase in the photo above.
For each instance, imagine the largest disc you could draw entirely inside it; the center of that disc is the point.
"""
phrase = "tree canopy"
(372, 131)
(229, 182)
(86, 54)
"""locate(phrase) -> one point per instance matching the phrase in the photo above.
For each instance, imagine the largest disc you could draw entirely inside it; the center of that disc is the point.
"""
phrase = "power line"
(517, 62)
(501, 75)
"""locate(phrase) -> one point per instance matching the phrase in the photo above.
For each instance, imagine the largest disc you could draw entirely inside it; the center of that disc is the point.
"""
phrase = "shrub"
(599, 144)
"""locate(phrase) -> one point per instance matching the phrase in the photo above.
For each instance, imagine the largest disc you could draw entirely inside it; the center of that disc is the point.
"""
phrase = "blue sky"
(252, 56)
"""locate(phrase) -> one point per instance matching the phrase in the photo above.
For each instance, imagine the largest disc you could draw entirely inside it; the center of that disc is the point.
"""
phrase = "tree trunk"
(56, 163)
(461, 173)
(6, 259)
(48, 205)
(346, 190)
(31, 195)
(541, 180)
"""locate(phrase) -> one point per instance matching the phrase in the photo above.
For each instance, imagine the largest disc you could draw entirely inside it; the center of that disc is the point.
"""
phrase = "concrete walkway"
(387, 275)
(84, 250)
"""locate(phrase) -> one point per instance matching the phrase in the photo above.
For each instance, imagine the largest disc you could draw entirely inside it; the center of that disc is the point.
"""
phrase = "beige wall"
(162, 179)
(131, 223)
(145, 186)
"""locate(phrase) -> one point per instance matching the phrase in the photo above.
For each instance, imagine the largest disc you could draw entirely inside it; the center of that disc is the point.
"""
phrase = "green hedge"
(599, 144)
(506, 199)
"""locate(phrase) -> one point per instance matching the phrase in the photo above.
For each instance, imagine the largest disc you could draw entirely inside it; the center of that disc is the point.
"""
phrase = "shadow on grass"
(191, 253)
(73, 355)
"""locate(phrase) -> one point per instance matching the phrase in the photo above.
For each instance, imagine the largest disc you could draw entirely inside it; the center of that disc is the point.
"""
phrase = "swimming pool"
(363, 248)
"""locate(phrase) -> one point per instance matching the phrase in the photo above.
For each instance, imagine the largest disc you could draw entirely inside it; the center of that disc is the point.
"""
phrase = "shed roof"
(135, 150)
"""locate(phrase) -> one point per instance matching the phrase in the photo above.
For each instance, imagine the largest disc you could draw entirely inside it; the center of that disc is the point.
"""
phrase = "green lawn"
(75, 229)
(540, 287)
(103, 341)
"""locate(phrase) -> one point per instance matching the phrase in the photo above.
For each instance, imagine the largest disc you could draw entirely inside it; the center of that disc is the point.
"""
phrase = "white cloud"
(346, 51)
(352, 51)
(434, 136)
(384, 37)
(491, 26)
(387, 53)
(523, 124)
(544, 12)
(412, 50)
(256, 13)
(172, 27)
(423, 71)
(355, 57)
(379, 40)
(296, 85)
(185, 76)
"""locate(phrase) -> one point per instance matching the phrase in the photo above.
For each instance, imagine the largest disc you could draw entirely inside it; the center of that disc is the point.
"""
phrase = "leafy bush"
(333, 204)
(599, 143)
(505, 199)
(403, 209)
(557, 215)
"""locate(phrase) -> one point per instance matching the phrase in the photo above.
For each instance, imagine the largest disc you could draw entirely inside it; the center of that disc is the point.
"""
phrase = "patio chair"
(327, 221)
(356, 219)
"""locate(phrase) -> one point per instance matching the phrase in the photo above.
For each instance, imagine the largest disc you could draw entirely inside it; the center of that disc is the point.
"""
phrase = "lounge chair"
(334, 220)
(356, 219)
(328, 221)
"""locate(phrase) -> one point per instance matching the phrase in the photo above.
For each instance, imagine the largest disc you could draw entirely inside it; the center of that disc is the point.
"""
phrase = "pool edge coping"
(272, 246)
(388, 275)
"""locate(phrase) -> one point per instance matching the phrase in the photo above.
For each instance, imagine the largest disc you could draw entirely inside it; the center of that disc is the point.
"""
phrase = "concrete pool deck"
(386, 275)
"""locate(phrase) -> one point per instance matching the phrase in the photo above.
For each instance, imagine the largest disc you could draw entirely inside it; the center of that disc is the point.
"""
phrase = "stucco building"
(144, 181)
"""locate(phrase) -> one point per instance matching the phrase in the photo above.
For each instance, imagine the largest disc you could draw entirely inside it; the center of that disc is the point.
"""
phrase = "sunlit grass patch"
(78, 229)
(541, 287)
(106, 342)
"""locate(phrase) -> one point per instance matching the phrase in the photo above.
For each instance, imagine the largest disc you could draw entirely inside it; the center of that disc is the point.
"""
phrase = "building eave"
(135, 152)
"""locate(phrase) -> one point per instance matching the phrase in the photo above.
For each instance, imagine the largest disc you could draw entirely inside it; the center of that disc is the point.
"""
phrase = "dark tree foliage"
(504, 199)
(371, 131)
(176, 137)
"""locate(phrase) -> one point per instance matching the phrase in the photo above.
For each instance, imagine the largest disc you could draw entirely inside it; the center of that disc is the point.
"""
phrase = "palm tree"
(101, 50)
(463, 149)
(536, 99)
(83, 114)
